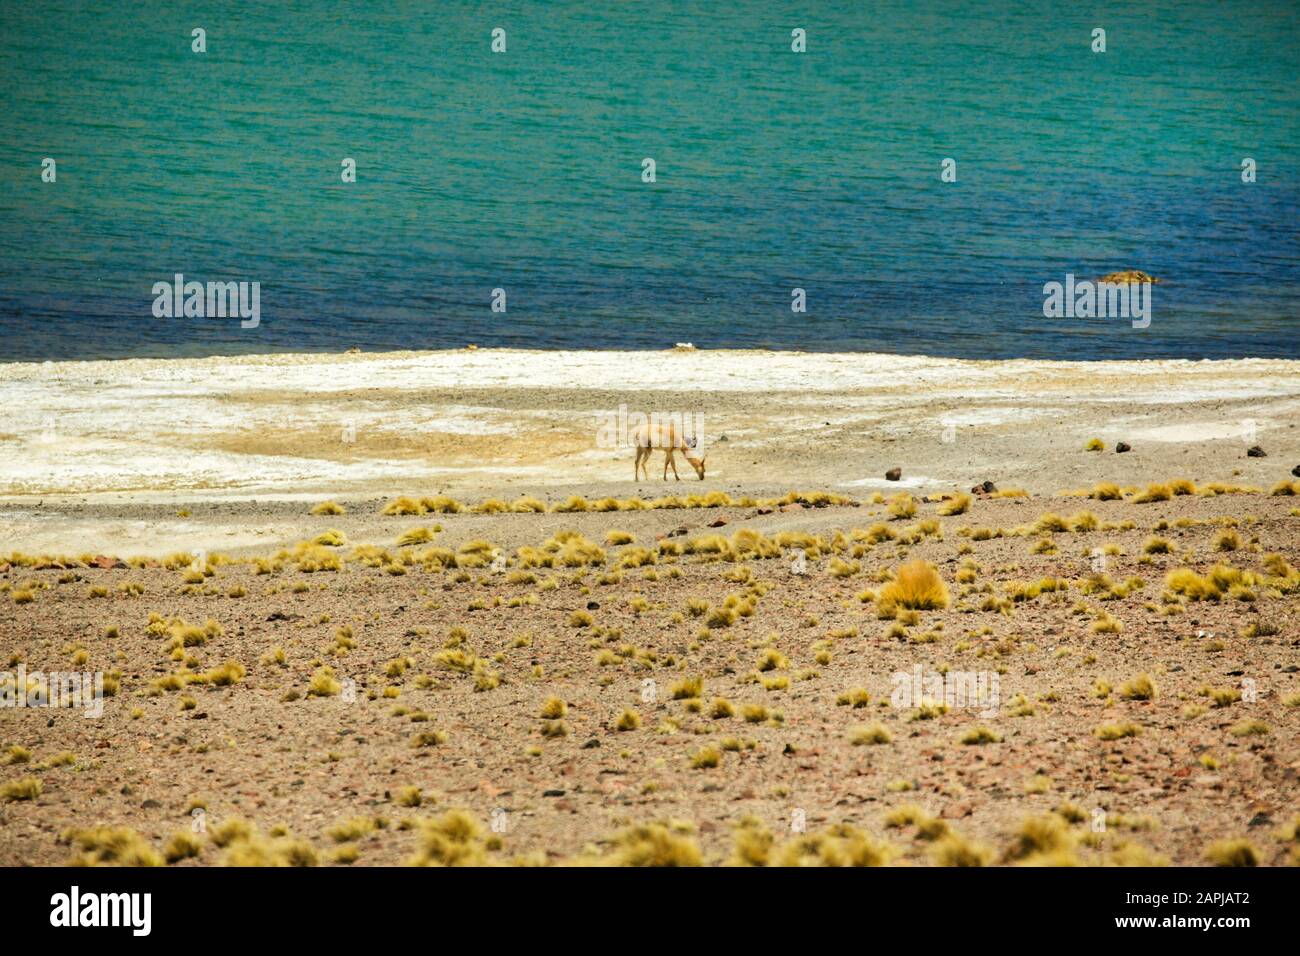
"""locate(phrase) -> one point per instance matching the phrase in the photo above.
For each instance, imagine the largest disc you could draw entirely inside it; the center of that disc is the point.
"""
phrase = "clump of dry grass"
(182, 846)
(1227, 540)
(24, 788)
(1141, 687)
(1154, 545)
(441, 504)
(1240, 852)
(1082, 521)
(902, 506)
(1222, 579)
(328, 508)
(1106, 491)
(454, 839)
(1250, 728)
(1043, 839)
(414, 536)
(654, 845)
(840, 845)
(1107, 624)
(870, 735)
(1155, 492)
(112, 846)
(980, 735)
(1117, 731)
(324, 684)
(553, 708)
(410, 796)
(955, 850)
(687, 688)
(705, 758)
(223, 675)
(956, 505)
(916, 586)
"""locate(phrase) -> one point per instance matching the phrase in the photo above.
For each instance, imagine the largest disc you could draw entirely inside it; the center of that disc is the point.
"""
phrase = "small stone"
(1123, 446)
(553, 793)
(894, 474)
(1254, 451)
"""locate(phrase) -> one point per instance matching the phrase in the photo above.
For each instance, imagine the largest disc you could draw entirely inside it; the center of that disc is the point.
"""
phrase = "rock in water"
(893, 474)
(1127, 276)
(1254, 451)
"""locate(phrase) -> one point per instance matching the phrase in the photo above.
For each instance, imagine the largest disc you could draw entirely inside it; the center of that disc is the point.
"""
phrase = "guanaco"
(648, 437)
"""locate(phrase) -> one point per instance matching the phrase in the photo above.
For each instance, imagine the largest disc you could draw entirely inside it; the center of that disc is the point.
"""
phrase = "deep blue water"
(522, 171)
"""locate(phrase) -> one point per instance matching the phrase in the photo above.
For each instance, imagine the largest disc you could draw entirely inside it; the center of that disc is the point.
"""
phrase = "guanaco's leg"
(674, 462)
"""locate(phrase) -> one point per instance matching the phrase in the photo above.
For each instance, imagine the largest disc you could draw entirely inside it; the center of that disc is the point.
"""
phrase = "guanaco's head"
(698, 465)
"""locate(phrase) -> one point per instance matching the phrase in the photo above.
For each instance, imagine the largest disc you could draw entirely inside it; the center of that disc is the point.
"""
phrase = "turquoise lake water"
(522, 171)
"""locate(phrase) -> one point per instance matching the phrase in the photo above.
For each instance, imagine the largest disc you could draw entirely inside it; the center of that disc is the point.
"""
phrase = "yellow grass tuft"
(1154, 493)
(1141, 687)
(870, 735)
(980, 735)
(902, 506)
(956, 505)
(112, 846)
(1117, 731)
(24, 788)
(917, 586)
(1239, 852)
(1106, 491)
(402, 506)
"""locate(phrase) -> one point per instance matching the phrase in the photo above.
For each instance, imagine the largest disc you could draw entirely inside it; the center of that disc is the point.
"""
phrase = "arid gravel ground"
(645, 706)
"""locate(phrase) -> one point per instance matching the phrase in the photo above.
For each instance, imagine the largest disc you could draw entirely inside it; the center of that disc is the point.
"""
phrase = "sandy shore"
(109, 452)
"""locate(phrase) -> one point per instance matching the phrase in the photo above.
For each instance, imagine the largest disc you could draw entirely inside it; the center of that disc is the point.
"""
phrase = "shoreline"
(364, 355)
(92, 448)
